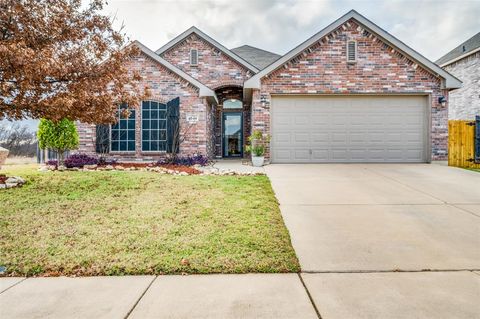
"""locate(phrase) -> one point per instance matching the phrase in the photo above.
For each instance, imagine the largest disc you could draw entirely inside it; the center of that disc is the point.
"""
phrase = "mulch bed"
(173, 167)
(181, 168)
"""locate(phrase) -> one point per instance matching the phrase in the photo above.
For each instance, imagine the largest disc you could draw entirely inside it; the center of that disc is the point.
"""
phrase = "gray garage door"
(349, 129)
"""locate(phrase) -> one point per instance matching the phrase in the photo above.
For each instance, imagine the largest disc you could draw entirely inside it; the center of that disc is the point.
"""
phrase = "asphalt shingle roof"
(467, 46)
(257, 57)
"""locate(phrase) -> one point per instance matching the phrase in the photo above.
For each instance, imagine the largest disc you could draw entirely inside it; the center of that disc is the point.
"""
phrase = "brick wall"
(323, 69)
(464, 103)
(214, 69)
(164, 86)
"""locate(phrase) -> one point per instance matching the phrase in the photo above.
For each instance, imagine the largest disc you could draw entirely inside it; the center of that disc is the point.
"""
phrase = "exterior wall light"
(442, 101)
(263, 100)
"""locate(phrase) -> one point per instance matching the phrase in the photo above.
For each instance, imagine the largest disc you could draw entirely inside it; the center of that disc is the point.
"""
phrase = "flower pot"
(257, 161)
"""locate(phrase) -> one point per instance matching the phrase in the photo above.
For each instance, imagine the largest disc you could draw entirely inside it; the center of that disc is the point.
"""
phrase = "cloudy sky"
(431, 27)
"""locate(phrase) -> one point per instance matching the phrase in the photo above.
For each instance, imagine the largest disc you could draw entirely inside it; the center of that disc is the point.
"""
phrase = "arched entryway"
(232, 122)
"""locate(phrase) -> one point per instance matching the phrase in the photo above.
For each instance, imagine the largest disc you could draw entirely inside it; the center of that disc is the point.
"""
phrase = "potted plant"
(258, 143)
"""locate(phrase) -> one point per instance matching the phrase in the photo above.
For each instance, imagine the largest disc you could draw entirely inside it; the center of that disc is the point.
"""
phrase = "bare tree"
(179, 133)
(18, 139)
(101, 141)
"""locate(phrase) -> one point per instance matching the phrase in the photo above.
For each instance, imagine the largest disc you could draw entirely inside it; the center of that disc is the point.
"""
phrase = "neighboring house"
(464, 63)
(350, 93)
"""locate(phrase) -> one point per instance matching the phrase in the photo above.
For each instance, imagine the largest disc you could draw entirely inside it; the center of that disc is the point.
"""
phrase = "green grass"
(116, 223)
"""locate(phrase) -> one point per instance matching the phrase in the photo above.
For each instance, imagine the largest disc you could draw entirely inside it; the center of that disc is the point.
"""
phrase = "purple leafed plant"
(185, 160)
(80, 160)
(52, 162)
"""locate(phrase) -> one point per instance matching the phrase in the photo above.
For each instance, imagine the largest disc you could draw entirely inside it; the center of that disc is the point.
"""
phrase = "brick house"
(464, 63)
(350, 93)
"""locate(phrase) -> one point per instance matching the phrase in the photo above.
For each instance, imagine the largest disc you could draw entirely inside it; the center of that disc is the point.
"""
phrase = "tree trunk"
(60, 156)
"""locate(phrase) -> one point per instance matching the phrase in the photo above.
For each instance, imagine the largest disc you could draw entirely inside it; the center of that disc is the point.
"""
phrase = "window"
(232, 104)
(123, 132)
(154, 126)
(351, 51)
(193, 57)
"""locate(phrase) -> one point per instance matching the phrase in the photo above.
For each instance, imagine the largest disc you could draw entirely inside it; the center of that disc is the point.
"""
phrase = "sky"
(431, 27)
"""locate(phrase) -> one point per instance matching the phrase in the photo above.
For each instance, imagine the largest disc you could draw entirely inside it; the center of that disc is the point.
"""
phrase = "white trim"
(204, 36)
(450, 82)
(204, 90)
(460, 57)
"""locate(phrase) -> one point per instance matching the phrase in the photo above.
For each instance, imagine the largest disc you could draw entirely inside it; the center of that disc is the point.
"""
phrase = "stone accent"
(464, 103)
(10, 182)
(214, 68)
(3, 155)
(164, 86)
(379, 69)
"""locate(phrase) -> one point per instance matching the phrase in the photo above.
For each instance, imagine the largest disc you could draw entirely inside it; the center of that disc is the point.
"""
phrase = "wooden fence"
(461, 143)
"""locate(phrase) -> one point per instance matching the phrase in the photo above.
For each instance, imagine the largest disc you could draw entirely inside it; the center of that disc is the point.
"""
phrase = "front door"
(232, 124)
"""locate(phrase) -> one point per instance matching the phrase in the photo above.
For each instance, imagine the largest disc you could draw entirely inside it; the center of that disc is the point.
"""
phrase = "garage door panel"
(282, 154)
(302, 137)
(321, 155)
(349, 129)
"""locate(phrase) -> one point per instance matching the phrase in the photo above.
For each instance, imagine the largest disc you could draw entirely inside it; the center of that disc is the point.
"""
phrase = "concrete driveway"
(355, 226)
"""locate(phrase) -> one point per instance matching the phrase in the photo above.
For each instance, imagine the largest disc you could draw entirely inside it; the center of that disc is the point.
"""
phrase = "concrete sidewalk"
(196, 296)
(336, 295)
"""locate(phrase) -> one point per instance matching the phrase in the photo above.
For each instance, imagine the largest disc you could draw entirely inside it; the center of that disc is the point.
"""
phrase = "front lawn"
(113, 223)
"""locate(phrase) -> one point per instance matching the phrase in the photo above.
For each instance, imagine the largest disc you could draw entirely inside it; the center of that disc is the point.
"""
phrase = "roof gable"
(204, 91)
(449, 81)
(214, 43)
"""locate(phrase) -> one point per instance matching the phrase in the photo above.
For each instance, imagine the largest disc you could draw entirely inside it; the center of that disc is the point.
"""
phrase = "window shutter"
(477, 139)
(193, 56)
(173, 125)
(102, 138)
(351, 51)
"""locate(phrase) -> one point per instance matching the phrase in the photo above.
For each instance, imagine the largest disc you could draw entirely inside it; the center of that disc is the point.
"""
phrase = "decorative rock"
(108, 167)
(15, 180)
(61, 168)
(183, 174)
(2, 186)
(119, 168)
(51, 167)
(73, 169)
(43, 169)
(93, 166)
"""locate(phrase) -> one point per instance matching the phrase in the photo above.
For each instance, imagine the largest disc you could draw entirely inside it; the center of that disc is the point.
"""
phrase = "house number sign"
(192, 118)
